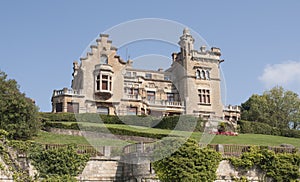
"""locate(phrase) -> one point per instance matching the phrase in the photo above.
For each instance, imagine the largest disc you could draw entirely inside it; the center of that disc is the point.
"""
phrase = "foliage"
(18, 114)
(280, 167)
(188, 163)
(57, 178)
(183, 123)
(276, 107)
(262, 128)
(60, 161)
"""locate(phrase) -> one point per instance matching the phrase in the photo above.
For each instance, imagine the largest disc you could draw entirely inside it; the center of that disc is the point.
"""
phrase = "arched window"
(198, 74)
(202, 75)
(103, 59)
(207, 75)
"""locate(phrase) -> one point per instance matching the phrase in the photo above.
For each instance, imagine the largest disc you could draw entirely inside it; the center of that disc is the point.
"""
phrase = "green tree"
(187, 163)
(276, 107)
(18, 114)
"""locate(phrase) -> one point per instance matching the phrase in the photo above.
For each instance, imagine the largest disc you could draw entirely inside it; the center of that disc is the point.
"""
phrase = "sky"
(259, 40)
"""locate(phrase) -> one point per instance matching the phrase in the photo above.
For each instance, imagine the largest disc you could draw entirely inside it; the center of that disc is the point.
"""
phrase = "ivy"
(282, 167)
(188, 163)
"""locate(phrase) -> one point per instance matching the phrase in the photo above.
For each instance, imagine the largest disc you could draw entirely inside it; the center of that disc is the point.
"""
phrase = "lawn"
(242, 139)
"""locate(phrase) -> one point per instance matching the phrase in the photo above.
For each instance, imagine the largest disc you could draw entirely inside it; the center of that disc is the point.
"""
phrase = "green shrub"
(58, 162)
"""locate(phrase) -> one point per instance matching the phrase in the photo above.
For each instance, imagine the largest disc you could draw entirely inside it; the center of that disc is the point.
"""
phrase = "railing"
(232, 108)
(227, 150)
(133, 97)
(81, 149)
(164, 103)
(66, 91)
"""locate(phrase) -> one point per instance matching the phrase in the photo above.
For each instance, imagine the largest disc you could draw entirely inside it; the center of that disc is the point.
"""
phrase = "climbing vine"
(282, 167)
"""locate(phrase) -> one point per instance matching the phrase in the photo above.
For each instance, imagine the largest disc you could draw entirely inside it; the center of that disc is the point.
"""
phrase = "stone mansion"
(104, 83)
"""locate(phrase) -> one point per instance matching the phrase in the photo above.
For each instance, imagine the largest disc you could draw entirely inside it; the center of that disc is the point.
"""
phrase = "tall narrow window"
(98, 82)
(104, 82)
(151, 96)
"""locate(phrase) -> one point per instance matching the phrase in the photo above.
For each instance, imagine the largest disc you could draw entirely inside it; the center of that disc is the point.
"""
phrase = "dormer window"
(103, 59)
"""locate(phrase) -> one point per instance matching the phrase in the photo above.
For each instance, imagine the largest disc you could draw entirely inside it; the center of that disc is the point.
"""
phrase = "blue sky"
(259, 40)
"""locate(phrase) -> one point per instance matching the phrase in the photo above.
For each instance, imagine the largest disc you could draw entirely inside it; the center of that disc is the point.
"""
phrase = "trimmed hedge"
(183, 122)
(262, 128)
(116, 131)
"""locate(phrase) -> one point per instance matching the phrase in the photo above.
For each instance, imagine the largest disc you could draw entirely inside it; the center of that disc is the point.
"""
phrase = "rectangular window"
(128, 74)
(204, 96)
(131, 110)
(59, 107)
(170, 97)
(103, 110)
(104, 85)
(148, 75)
(72, 107)
(151, 96)
(167, 77)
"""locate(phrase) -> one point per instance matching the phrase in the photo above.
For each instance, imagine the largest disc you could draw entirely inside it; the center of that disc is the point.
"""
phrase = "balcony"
(66, 91)
(232, 109)
(132, 97)
(164, 103)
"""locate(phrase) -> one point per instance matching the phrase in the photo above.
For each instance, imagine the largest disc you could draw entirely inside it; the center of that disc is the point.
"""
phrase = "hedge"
(116, 131)
(263, 128)
(183, 122)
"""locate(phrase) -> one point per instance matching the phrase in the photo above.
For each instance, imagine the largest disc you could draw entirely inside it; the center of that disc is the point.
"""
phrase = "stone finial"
(186, 31)
(203, 48)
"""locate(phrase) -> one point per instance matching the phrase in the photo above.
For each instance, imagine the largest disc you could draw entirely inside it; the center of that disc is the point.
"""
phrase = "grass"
(242, 139)
(52, 138)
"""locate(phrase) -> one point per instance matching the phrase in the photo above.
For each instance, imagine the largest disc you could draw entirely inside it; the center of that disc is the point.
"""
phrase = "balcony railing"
(66, 91)
(232, 108)
(164, 103)
(133, 97)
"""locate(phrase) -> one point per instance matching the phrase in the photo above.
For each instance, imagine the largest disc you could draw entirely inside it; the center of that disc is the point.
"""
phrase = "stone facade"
(104, 83)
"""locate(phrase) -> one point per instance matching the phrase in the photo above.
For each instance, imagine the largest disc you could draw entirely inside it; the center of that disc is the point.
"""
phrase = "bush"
(58, 162)
(262, 128)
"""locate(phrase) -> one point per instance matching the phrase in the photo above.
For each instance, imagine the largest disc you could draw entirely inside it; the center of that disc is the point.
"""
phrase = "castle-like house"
(104, 83)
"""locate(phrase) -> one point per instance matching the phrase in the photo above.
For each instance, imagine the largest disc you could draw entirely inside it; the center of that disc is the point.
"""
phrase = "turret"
(186, 42)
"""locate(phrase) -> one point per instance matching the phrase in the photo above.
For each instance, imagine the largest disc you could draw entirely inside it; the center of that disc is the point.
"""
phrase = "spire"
(186, 31)
(186, 41)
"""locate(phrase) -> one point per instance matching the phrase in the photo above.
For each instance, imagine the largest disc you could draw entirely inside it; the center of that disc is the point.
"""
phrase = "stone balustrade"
(66, 91)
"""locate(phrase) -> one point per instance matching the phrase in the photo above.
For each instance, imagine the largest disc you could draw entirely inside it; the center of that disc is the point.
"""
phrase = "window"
(103, 110)
(103, 82)
(167, 77)
(204, 96)
(148, 75)
(203, 74)
(131, 110)
(59, 107)
(103, 59)
(128, 74)
(150, 96)
(72, 107)
(170, 97)
(134, 74)
(198, 74)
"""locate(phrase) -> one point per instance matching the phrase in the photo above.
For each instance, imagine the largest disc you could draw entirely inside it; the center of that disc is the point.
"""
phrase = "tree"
(187, 163)
(276, 107)
(62, 162)
(18, 114)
